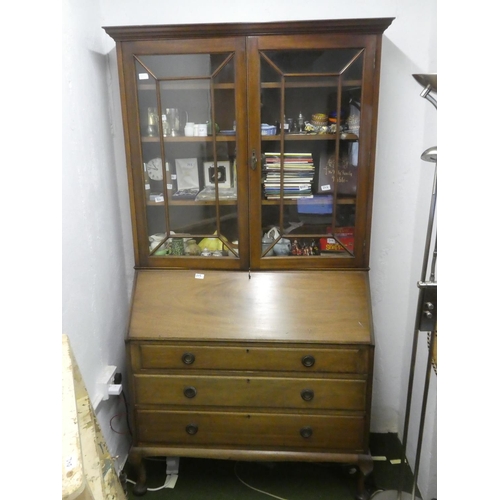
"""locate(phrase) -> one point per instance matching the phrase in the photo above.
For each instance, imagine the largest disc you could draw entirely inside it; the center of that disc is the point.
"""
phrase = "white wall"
(97, 244)
(97, 259)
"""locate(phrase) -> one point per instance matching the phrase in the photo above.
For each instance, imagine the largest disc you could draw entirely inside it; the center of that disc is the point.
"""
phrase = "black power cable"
(118, 380)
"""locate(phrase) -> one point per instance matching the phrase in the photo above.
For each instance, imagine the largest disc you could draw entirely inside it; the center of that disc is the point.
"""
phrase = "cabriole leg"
(136, 460)
(365, 467)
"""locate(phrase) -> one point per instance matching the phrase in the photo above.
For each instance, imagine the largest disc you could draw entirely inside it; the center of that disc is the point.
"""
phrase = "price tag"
(174, 177)
(143, 76)
(326, 187)
(303, 187)
(159, 199)
(169, 187)
(199, 276)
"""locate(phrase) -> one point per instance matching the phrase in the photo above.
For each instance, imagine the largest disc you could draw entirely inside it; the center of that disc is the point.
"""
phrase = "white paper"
(187, 173)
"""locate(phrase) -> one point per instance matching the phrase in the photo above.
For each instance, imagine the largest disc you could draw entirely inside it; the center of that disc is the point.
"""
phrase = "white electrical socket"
(114, 389)
(105, 379)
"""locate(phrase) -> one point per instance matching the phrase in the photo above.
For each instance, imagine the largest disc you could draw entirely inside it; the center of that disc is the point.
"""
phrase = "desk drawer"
(252, 430)
(264, 392)
(296, 359)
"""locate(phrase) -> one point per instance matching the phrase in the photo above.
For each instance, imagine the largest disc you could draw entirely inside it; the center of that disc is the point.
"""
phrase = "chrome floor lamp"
(426, 314)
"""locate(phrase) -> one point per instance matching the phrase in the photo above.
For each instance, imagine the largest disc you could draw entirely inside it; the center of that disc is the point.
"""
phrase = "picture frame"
(186, 170)
(223, 170)
(187, 178)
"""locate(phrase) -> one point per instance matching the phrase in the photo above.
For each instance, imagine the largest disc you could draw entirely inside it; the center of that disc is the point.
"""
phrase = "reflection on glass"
(312, 61)
(309, 160)
(175, 66)
(187, 115)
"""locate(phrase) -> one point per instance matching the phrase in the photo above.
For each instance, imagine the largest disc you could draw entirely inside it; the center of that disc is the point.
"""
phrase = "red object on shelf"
(344, 235)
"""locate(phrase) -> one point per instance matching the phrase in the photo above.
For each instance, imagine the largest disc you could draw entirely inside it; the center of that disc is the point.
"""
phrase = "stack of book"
(298, 174)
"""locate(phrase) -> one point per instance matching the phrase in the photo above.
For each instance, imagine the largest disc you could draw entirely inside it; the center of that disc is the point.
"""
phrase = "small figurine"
(315, 248)
(296, 250)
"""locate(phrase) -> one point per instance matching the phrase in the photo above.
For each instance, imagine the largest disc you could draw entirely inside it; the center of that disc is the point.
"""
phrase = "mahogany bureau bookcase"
(250, 157)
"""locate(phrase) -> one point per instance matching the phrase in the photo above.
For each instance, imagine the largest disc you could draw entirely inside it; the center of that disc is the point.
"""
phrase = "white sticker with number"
(326, 187)
(143, 76)
(199, 276)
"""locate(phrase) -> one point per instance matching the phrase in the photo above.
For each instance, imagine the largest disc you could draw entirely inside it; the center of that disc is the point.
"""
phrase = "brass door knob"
(306, 432)
(190, 392)
(188, 358)
(308, 361)
(307, 394)
(191, 429)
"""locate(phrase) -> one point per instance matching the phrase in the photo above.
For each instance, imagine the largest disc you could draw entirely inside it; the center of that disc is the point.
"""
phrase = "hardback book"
(296, 176)
(346, 178)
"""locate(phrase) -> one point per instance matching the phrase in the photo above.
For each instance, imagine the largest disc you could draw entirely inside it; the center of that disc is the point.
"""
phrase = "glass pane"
(176, 66)
(269, 71)
(309, 153)
(189, 165)
(224, 103)
(313, 61)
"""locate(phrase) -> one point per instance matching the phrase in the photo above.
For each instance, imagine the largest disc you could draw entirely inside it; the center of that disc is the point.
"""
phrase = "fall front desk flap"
(295, 306)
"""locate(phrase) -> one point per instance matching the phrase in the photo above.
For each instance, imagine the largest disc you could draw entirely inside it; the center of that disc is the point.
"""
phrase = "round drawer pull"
(190, 392)
(308, 361)
(306, 432)
(188, 358)
(191, 429)
(307, 394)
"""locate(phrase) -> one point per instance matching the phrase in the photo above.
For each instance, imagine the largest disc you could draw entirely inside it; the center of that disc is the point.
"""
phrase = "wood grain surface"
(280, 307)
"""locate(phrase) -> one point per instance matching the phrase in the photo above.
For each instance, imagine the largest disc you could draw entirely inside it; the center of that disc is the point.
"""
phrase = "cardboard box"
(344, 235)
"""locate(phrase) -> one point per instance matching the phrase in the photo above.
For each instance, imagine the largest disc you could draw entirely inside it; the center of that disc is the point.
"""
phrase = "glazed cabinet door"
(185, 130)
(311, 130)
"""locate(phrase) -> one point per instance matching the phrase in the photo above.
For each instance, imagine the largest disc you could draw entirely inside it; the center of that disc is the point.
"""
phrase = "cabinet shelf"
(232, 138)
(311, 137)
(186, 85)
(191, 203)
(197, 139)
(340, 201)
(325, 82)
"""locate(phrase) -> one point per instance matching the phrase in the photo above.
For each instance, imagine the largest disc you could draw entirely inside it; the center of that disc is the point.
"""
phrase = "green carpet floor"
(203, 479)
